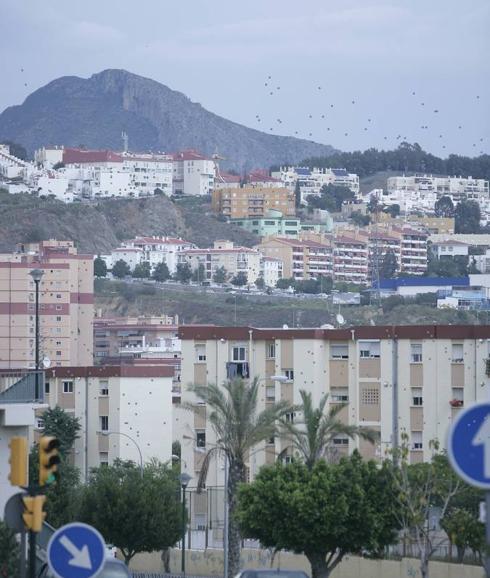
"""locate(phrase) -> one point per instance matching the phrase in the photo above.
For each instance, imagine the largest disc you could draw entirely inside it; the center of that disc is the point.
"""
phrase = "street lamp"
(184, 479)
(119, 433)
(37, 275)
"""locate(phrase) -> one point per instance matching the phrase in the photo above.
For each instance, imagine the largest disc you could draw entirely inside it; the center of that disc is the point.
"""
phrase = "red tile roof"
(78, 156)
(189, 155)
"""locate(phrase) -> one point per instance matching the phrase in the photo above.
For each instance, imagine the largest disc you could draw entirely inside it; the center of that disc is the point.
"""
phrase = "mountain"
(93, 112)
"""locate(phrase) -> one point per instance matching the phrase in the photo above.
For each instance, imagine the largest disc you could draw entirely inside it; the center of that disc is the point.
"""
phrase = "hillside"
(71, 111)
(97, 228)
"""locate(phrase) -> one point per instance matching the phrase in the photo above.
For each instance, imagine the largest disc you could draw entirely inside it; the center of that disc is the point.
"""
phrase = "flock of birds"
(273, 89)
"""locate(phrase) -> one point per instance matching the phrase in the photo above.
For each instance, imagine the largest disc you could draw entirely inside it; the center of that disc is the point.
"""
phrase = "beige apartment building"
(113, 402)
(224, 254)
(411, 379)
(251, 201)
(66, 305)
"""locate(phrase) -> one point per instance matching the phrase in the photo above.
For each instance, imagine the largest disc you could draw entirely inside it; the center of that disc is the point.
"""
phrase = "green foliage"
(464, 531)
(183, 273)
(199, 274)
(359, 219)
(60, 165)
(240, 279)
(297, 195)
(321, 284)
(312, 437)
(161, 272)
(285, 283)
(220, 275)
(331, 198)
(373, 205)
(444, 207)
(121, 269)
(142, 270)
(324, 512)
(100, 267)
(389, 265)
(158, 192)
(260, 283)
(456, 266)
(134, 514)
(393, 210)
(9, 552)
(467, 217)
(62, 425)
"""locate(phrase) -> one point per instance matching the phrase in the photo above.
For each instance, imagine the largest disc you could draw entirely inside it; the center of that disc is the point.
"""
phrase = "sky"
(351, 73)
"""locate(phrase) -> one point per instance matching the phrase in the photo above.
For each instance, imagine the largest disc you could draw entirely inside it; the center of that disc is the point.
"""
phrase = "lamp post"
(184, 479)
(119, 433)
(37, 275)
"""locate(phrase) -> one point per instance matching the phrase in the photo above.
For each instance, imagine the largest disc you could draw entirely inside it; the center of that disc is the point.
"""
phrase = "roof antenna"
(124, 136)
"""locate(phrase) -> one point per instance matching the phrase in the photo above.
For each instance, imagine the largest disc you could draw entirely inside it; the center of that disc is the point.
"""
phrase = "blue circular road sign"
(469, 445)
(76, 551)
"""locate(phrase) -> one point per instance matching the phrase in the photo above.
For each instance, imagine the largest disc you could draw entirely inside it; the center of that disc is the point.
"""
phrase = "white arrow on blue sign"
(469, 445)
(76, 551)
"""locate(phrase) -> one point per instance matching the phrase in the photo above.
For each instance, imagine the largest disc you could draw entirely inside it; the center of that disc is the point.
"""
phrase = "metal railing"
(20, 387)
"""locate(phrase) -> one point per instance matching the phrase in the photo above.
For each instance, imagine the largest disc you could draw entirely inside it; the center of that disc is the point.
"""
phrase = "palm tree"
(313, 436)
(239, 427)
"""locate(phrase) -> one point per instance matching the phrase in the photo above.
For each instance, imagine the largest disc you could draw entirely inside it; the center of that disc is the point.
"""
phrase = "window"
(201, 439)
(341, 441)
(104, 388)
(59, 308)
(457, 397)
(40, 423)
(457, 353)
(289, 417)
(417, 440)
(200, 349)
(46, 387)
(68, 387)
(270, 393)
(339, 395)
(104, 458)
(58, 318)
(271, 350)
(416, 353)
(58, 353)
(271, 441)
(339, 351)
(417, 398)
(288, 459)
(104, 423)
(239, 353)
(369, 349)
(370, 396)
(289, 374)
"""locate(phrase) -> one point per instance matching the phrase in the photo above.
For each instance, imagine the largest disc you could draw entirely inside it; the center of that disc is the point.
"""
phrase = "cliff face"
(93, 112)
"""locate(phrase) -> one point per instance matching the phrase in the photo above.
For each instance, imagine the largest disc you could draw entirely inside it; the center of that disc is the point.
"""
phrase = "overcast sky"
(364, 57)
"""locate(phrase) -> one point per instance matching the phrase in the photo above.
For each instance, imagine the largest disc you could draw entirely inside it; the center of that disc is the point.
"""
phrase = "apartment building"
(126, 338)
(113, 402)
(413, 250)
(224, 254)
(312, 180)
(271, 270)
(193, 173)
(65, 305)
(275, 224)
(252, 202)
(350, 259)
(301, 258)
(395, 379)
(456, 187)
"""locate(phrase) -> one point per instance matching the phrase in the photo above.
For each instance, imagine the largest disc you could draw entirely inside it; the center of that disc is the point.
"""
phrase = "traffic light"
(48, 459)
(34, 515)
(18, 461)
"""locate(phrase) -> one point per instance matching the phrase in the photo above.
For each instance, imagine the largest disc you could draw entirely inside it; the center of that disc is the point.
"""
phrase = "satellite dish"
(340, 319)
(371, 322)
(327, 326)
(285, 326)
(46, 362)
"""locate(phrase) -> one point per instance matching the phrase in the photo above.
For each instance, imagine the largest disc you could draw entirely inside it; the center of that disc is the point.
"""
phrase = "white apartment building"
(12, 167)
(312, 180)
(47, 157)
(135, 400)
(193, 173)
(224, 254)
(132, 256)
(395, 379)
(455, 187)
(271, 270)
(449, 249)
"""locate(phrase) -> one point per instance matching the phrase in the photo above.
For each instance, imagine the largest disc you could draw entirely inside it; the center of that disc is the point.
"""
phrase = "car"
(113, 568)
(271, 573)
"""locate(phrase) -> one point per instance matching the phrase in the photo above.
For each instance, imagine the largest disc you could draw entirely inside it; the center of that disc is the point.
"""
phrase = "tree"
(312, 437)
(297, 195)
(134, 513)
(60, 165)
(199, 274)
(142, 270)
(444, 207)
(240, 279)
(239, 427)
(324, 512)
(464, 531)
(161, 272)
(183, 273)
(9, 552)
(121, 269)
(259, 282)
(331, 198)
(100, 267)
(158, 191)
(389, 265)
(285, 283)
(220, 275)
(373, 205)
(467, 217)
(359, 219)
(393, 210)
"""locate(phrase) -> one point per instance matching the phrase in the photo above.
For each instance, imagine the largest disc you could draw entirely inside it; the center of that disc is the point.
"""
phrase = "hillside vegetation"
(97, 228)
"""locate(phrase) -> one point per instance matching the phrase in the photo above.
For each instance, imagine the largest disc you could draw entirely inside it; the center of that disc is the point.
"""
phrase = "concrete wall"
(210, 563)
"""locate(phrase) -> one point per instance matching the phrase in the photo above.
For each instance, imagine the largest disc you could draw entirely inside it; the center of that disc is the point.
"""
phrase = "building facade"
(252, 202)
(193, 173)
(457, 188)
(66, 301)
